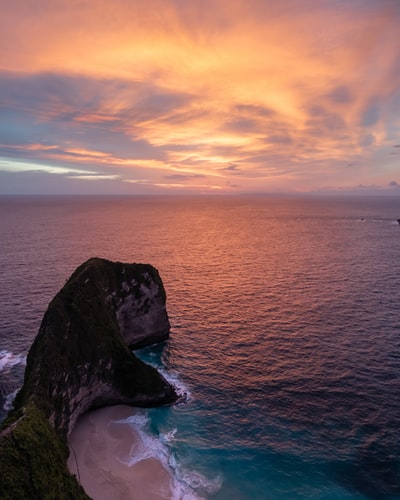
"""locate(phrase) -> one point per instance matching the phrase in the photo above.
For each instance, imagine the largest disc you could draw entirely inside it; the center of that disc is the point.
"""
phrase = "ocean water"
(285, 338)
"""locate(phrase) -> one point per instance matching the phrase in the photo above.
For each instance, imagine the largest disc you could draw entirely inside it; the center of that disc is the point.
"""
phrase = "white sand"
(98, 448)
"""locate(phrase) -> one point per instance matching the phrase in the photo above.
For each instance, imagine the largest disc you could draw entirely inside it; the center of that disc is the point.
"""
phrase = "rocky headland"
(81, 359)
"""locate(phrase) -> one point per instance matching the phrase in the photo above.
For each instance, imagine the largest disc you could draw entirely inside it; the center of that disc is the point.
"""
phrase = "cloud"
(72, 123)
(184, 178)
(279, 139)
(39, 182)
(370, 114)
(18, 166)
(322, 121)
(231, 167)
(110, 103)
(281, 93)
(341, 95)
(367, 140)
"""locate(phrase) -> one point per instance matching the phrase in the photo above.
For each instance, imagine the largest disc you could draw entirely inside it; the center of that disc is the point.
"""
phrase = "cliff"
(80, 360)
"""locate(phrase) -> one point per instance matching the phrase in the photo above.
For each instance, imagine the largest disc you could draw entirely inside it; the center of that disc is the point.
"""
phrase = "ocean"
(285, 332)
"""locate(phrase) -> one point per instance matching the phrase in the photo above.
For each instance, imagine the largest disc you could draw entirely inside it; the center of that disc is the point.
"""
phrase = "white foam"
(169, 436)
(146, 446)
(184, 482)
(9, 402)
(171, 376)
(174, 379)
(8, 359)
(191, 483)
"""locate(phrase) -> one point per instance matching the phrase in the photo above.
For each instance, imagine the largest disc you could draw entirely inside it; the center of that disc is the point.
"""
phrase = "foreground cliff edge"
(80, 360)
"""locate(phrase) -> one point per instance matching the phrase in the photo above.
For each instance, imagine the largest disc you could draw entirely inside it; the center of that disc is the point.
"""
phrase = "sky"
(199, 96)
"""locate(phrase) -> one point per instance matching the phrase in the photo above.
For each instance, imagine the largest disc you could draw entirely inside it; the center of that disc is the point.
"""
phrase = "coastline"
(106, 456)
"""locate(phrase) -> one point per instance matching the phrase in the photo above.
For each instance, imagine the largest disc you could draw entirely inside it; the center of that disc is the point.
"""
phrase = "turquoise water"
(285, 332)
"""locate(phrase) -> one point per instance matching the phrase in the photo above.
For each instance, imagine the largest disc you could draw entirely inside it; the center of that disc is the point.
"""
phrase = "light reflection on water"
(285, 324)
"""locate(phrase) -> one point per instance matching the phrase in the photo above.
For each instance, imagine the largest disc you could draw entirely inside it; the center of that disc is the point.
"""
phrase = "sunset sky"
(199, 96)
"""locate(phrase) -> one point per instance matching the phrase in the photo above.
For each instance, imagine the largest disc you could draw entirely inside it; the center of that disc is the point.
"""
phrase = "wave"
(152, 358)
(9, 401)
(182, 389)
(185, 484)
(8, 359)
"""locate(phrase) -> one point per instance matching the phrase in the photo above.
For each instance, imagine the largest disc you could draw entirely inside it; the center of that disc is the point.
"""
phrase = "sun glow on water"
(284, 338)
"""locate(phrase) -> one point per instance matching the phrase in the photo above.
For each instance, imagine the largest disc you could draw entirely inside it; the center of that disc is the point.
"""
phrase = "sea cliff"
(80, 360)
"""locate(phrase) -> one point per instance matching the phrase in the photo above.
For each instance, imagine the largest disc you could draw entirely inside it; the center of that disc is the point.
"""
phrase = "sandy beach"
(100, 450)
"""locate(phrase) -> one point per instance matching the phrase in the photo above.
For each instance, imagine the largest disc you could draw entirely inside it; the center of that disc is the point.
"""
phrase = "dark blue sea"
(285, 338)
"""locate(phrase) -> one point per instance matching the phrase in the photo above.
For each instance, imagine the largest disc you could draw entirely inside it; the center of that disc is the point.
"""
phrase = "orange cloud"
(283, 90)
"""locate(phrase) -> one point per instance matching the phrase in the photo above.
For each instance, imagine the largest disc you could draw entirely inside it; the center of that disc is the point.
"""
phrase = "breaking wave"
(8, 359)
(186, 484)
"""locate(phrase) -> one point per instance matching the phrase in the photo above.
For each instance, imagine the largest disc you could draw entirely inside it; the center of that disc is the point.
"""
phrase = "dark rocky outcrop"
(80, 360)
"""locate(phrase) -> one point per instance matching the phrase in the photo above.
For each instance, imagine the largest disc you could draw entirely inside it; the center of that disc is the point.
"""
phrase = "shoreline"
(107, 457)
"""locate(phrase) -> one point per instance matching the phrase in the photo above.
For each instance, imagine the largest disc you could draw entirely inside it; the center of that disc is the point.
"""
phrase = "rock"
(80, 360)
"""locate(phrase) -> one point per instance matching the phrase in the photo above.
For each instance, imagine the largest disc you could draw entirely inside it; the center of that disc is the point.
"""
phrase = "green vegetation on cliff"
(80, 360)
(33, 461)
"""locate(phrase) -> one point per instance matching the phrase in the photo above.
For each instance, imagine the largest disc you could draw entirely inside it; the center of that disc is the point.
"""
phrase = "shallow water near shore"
(111, 459)
(285, 335)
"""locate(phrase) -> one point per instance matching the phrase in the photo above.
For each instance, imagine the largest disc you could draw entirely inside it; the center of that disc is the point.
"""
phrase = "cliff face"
(81, 360)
